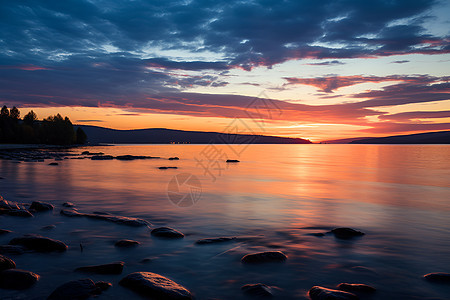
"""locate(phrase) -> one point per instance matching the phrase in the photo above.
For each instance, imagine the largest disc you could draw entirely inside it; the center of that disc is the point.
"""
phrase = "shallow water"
(273, 199)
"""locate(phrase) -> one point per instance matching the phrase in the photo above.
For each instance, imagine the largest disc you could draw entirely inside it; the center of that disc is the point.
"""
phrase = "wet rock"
(102, 157)
(41, 206)
(112, 268)
(215, 240)
(257, 290)
(16, 279)
(12, 208)
(318, 234)
(4, 231)
(39, 243)
(12, 249)
(165, 168)
(53, 164)
(85, 153)
(126, 243)
(232, 161)
(77, 289)
(6, 263)
(321, 293)
(438, 277)
(68, 204)
(103, 285)
(154, 285)
(132, 157)
(356, 287)
(136, 222)
(174, 158)
(167, 232)
(263, 257)
(346, 233)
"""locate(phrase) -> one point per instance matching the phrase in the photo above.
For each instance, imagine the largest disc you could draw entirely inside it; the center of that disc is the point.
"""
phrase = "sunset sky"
(312, 69)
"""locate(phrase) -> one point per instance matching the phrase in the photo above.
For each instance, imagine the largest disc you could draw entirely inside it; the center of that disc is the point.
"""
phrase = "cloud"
(414, 115)
(400, 61)
(327, 63)
(88, 121)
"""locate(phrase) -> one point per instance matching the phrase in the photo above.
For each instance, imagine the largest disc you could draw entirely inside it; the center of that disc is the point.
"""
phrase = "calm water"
(274, 198)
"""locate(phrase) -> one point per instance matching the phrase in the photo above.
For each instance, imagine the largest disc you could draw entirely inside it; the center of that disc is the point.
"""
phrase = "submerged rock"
(136, 222)
(257, 290)
(112, 268)
(438, 277)
(174, 158)
(48, 227)
(154, 285)
(53, 164)
(39, 243)
(12, 249)
(346, 233)
(126, 243)
(356, 287)
(167, 232)
(41, 206)
(68, 204)
(6, 263)
(4, 231)
(215, 240)
(16, 279)
(78, 289)
(321, 293)
(102, 157)
(262, 257)
(165, 168)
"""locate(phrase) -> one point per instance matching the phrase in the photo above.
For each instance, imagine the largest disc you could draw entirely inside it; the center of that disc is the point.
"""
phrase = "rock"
(112, 268)
(102, 157)
(6, 263)
(165, 168)
(85, 153)
(232, 161)
(78, 289)
(346, 233)
(68, 204)
(257, 290)
(12, 249)
(53, 164)
(154, 285)
(438, 277)
(16, 279)
(262, 257)
(174, 158)
(356, 287)
(318, 234)
(103, 285)
(20, 213)
(41, 206)
(215, 240)
(39, 243)
(4, 231)
(12, 208)
(321, 293)
(167, 232)
(48, 227)
(136, 222)
(126, 243)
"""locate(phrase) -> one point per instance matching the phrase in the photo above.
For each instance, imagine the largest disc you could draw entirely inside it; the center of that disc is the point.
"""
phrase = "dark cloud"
(88, 121)
(400, 61)
(413, 115)
(327, 63)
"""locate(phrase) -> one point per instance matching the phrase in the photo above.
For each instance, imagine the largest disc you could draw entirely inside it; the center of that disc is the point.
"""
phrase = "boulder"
(6, 263)
(356, 287)
(321, 293)
(438, 277)
(136, 222)
(257, 290)
(112, 268)
(12, 249)
(126, 243)
(78, 289)
(263, 257)
(12, 208)
(41, 206)
(16, 279)
(39, 243)
(215, 240)
(154, 285)
(346, 233)
(167, 232)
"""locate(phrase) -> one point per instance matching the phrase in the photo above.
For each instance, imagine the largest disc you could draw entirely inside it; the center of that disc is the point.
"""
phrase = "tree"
(4, 114)
(14, 113)
(81, 136)
(30, 118)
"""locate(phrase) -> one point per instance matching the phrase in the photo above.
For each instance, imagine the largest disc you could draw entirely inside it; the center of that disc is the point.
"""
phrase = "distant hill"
(97, 135)
(440, 137)
(343, 141)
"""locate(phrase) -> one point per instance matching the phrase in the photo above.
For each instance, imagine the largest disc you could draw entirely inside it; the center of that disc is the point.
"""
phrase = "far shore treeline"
(54, 130)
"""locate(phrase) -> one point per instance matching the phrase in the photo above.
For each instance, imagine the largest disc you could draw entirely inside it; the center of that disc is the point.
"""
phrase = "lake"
(275, 198)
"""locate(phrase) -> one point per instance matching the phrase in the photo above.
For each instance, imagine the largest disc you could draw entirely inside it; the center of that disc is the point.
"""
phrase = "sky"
(312, 69)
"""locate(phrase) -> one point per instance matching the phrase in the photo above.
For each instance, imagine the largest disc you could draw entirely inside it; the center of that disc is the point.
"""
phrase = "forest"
(53, 130)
